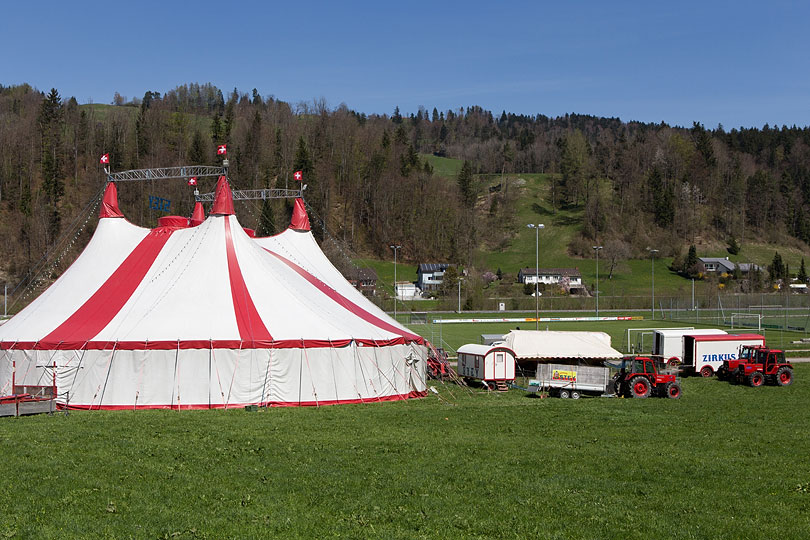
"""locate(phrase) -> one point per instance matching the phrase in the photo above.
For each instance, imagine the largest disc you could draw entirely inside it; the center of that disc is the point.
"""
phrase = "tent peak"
(109, 203)
(299, 221)
(198, 216)
(223, 199)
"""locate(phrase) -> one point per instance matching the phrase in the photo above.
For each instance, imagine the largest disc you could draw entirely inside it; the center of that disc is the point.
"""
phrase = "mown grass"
(446, 167)
(722, 462)
(453, 335)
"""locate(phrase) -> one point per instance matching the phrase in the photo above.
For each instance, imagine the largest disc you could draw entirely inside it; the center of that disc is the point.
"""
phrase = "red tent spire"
(198, 216)
(300, 221)
(109, 204)
(223, 199)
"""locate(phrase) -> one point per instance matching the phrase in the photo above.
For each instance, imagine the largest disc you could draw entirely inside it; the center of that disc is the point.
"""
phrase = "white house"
(406, 290)
(430, 275)
(722, 264)
(550, 276)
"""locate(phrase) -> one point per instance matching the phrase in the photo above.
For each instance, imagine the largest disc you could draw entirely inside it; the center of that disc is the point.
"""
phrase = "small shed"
(486, 362)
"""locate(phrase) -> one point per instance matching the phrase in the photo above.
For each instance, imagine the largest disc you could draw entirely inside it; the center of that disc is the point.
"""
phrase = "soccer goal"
(746, 320)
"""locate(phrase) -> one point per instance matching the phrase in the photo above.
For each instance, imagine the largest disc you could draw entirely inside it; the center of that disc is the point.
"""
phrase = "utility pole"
(652, 253)
(596, 249)
(536, 228)
(395, 248)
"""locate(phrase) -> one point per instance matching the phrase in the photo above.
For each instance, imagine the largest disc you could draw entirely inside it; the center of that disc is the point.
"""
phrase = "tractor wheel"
(564, 394)
(706, 371)
(575, 394)
(784, 377)
(722, 374)
(639, 387)
(756, 379)
(672, 390)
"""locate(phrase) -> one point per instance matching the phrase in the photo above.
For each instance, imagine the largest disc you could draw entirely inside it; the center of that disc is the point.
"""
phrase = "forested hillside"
(638, 184)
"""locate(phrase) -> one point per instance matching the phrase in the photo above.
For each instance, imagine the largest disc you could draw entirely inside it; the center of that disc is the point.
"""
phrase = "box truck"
(704, 354)
(668, 342)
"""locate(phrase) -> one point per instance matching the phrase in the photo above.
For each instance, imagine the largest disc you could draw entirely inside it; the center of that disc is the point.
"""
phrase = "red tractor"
(728, 369)
(766, 366)
(642, 376)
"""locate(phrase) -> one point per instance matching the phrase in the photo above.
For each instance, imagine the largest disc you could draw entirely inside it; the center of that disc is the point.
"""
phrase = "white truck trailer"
(704, 354)
(668, 342)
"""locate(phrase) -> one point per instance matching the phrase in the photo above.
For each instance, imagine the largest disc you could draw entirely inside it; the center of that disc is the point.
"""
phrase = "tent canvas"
(548, 345)
(201, 317)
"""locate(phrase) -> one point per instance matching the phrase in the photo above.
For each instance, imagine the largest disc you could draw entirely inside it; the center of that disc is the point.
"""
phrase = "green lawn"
(447, 167)
(454, 335)
(724, 461)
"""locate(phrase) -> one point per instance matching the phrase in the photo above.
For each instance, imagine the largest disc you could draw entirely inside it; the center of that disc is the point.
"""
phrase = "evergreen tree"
(197, 153)
(397, 118)
(302, 161)
(267, 220)
(802, 275)
(465, 185)
(50, 125)
(776, 270)
(691, 259)
(733, 246)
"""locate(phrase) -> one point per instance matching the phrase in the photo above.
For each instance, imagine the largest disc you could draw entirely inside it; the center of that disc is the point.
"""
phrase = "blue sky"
(736, 63)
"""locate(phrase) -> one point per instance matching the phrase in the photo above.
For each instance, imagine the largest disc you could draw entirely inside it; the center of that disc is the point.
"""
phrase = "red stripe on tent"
(371, 399)
(344, 302)
(250, 324)
(97, 312)
(168, 345)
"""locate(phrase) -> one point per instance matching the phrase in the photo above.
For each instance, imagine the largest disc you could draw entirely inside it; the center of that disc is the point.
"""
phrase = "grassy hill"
(631, 277)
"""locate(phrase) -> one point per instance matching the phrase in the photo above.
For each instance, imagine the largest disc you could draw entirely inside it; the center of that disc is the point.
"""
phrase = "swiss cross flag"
(192, 181)
(222, 149)
(298, 175)
(104, 159)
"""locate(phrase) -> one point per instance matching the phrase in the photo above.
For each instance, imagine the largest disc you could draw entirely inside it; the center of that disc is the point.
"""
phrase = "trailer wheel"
(575, 394)
(706, 371)
(564, 394)
(756, 379)
(672, 390)
(639, 387)
(784, 377)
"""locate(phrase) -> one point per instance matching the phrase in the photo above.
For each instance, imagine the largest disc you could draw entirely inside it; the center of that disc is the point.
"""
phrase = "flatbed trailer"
(572, 380)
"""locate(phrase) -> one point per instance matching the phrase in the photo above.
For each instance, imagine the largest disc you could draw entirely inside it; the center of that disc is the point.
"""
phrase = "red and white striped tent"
(204, 316)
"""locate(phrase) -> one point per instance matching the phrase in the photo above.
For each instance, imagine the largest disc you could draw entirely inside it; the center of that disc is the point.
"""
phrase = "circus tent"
(198, 314)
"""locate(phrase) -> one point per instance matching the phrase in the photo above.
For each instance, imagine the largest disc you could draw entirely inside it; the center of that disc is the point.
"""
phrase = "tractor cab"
(766, 366)
(729, 368)
(641, 376)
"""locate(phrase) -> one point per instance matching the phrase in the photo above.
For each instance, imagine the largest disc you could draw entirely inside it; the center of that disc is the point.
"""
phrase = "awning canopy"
(545, 344)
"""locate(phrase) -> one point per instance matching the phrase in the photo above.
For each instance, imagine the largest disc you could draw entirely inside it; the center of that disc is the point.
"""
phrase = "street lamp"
(652, 254)
(536, 228)
(395, 248)
(596, 249)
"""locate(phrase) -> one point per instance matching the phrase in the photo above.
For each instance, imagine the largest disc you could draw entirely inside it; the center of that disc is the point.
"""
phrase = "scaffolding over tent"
(200, 315)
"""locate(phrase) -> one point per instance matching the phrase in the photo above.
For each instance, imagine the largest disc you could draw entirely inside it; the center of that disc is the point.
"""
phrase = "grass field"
(722, 462)
(453, 335)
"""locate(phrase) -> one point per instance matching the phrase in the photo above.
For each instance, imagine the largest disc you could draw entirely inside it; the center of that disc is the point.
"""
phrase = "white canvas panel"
(113, 240)
(306, 312)
(301, 248)
(186, 293)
